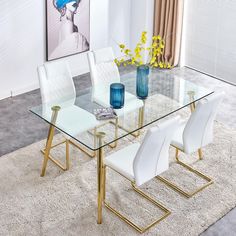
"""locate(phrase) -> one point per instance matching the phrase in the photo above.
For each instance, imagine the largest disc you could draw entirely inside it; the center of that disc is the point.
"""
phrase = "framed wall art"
(68, 27)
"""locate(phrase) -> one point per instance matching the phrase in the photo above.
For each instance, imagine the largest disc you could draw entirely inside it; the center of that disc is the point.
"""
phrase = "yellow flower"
(161, 65)
(135, 57)
(127, 51)
(153, 60)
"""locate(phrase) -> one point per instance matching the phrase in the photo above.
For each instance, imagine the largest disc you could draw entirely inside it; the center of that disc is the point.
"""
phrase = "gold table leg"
(141, 117)
(100, 174)
(192, 108)
(55, 110)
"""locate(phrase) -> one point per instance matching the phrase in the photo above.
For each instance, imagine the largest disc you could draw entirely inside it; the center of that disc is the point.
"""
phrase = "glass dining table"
(167, 95)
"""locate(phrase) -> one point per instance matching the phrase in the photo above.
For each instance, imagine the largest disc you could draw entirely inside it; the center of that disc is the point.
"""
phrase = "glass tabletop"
(75, 118)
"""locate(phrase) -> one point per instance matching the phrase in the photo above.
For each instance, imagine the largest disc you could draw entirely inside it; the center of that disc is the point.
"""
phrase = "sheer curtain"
(168, 24)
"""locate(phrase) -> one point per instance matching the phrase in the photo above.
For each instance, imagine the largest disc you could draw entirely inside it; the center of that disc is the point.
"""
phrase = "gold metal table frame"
(99, 142)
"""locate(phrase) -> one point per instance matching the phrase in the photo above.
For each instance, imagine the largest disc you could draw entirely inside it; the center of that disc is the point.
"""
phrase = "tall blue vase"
(142, 82)
(117, 95)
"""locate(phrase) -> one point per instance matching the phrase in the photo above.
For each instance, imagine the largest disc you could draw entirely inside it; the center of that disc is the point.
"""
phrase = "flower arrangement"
(137, 57)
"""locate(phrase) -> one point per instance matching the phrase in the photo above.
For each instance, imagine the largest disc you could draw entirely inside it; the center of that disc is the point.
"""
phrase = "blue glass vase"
(142, 82)
(117, 95)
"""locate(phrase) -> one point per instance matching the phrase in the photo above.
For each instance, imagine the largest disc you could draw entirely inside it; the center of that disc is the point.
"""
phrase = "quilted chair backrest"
(198, 131)
(56, 83)
(103, 70)
(152, 157)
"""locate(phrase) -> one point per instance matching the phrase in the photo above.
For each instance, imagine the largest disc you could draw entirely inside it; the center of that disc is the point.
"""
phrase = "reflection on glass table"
(166, 96)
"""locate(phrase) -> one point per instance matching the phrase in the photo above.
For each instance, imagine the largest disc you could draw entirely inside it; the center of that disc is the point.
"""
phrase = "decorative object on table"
(104, 113)
(117, 95)
(142, 82)
(68, 27)
(143, 61)
(139, 56)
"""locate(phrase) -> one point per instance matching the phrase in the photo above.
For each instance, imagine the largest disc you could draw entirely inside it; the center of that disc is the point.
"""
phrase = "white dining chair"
(193, 135)
(57, 89)
(104, 72)
(140, 163)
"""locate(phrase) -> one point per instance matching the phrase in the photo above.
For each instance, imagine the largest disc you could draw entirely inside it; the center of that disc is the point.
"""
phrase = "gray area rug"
(64, 203)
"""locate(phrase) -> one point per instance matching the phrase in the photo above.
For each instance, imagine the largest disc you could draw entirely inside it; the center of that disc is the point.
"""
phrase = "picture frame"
(67, 28)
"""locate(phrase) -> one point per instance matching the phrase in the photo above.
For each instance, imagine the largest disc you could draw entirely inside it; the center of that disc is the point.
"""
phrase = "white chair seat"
(177, 140)
(131, 102)
(122, 160)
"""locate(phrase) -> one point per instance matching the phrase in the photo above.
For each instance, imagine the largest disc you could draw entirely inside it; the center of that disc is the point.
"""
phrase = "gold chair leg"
(200, 154)
(114, 144)
(192, 108)
(91, 154)
(140, 124)
(111, 145)
(134, 134)
(131, 223)
(180, 190)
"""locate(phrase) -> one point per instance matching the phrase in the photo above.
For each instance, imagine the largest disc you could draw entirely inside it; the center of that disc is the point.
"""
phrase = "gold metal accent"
(49, 146)
(111, 145)
(129, 222)
(200, 153)
(140, 123)
(191, 99)
(192, 108)
(67, 154)
(100, 174)
(56, 162)
(91, 154)
(114, 144)
(180, 190)
(55, 110)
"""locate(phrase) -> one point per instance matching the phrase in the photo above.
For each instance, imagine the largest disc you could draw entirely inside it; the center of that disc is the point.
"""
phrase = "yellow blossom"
(155, 50)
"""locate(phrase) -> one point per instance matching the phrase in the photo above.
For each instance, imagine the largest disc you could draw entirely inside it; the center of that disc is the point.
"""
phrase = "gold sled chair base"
(180, 190)
(140, 229)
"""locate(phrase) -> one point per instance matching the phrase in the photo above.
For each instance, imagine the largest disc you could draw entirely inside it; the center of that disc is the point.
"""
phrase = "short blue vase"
(142, 82)
(117, 95)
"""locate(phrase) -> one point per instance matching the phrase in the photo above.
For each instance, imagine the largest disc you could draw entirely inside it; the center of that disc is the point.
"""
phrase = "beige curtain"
(168, 24)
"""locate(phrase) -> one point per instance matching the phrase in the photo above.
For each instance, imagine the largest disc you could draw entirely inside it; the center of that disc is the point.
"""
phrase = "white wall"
(210, 37)
(21, 45)
(23, 42)
(142, 14)
(119, 24)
